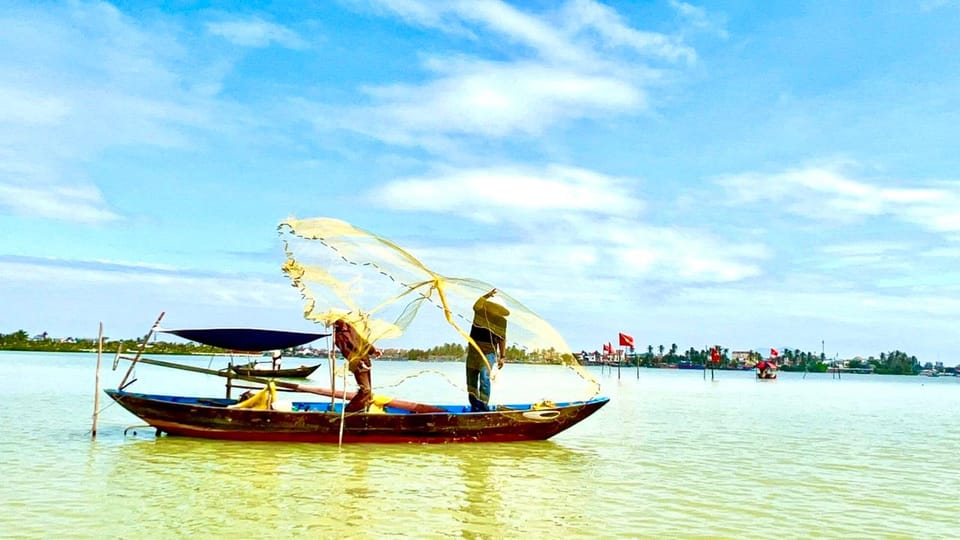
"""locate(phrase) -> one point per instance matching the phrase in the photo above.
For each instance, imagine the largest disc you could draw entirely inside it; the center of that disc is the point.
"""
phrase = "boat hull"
(211, 418)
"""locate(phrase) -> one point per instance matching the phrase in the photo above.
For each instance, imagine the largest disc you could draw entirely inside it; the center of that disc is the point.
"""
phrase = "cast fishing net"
(386, 293)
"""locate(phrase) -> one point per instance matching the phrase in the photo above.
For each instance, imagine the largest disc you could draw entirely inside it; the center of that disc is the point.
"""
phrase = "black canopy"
(246, 339)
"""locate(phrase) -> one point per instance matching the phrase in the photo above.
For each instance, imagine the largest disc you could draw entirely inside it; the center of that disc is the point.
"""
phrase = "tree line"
(892, 363)
(21, 341)
(889, 363)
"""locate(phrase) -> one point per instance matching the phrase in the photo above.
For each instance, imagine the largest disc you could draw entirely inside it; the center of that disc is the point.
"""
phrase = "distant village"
(716, 357)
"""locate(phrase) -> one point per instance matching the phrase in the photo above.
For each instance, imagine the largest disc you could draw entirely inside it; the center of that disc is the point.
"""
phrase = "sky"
(779, 175)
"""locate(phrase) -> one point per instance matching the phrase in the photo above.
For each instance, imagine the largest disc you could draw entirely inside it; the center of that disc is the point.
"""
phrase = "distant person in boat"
(357, 351)
(277, 359)
(489, 332)
(765, 369)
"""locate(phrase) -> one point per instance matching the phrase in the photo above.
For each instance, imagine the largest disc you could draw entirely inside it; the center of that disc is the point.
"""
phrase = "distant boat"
(254, 340)
(766, 370)
(930, 373)
(689, 365)
(301, 372)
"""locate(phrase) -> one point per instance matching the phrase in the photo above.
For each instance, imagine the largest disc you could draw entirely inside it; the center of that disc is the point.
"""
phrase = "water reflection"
(479, 501)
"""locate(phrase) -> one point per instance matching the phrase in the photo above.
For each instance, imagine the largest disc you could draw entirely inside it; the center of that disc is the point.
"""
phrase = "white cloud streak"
(493, 194)
(80, 204)
(256, 32)
(826, 193)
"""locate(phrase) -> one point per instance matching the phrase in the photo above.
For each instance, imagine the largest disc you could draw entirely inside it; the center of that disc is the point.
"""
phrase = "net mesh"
(386, 293)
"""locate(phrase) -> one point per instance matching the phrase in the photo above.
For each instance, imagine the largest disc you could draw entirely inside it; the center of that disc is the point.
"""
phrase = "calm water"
(671, 456)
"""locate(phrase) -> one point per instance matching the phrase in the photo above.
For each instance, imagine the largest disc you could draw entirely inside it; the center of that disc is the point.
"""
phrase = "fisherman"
(277, 359)
(764, 369)
(489, 333)
(357, 352)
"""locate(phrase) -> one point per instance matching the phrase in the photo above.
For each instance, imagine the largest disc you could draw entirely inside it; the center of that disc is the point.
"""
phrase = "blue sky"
(773, 175)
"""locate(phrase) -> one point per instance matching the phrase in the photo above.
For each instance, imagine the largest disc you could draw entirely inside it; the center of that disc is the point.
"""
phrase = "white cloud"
(76, 203)
(19, 107)
(490, 99)
(105, 291)
(562, 217)
(580, 62)
(583, 15)
(85, 78)
(256, 32)
(698, 18)
(510, 193)
(826, 193)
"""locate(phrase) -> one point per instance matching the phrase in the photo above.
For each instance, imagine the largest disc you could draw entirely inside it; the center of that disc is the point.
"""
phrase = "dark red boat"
(213, 418)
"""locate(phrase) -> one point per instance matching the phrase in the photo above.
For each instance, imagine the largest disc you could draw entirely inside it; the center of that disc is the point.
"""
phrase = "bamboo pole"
(96, 387)
(343, 409)
(140, 349)
(332, 356)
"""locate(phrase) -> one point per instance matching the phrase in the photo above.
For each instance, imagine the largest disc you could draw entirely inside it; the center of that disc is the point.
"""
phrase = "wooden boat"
(395, 421)
(318, 422)
(301, 372)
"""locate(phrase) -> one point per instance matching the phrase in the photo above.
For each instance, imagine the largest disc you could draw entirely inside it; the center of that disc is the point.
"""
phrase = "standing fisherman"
(489, 332)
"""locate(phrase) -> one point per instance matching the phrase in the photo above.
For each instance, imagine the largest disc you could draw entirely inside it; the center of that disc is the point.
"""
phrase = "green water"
(672, 456)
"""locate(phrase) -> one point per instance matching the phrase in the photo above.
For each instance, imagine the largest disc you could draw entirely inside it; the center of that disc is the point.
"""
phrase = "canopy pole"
(96, 387)
(229, 377)
(140, 349)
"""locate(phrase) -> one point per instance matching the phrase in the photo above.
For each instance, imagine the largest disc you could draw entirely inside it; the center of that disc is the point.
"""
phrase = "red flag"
(774, 353)
(715, 355)
(625, 340)
(607, 348)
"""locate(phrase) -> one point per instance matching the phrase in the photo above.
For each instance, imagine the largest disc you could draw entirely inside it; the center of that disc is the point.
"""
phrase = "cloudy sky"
(684, 173)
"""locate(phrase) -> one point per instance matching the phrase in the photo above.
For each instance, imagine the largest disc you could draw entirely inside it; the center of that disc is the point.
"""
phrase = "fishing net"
(387, 294)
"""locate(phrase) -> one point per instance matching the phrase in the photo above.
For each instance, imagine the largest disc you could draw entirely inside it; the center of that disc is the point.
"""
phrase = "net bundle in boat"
(386, 293)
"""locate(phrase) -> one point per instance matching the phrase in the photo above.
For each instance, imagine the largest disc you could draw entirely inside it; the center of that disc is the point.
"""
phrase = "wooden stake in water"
(96, 388)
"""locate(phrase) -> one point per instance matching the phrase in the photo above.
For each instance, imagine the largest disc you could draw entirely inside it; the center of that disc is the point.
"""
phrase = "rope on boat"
(421, 373)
